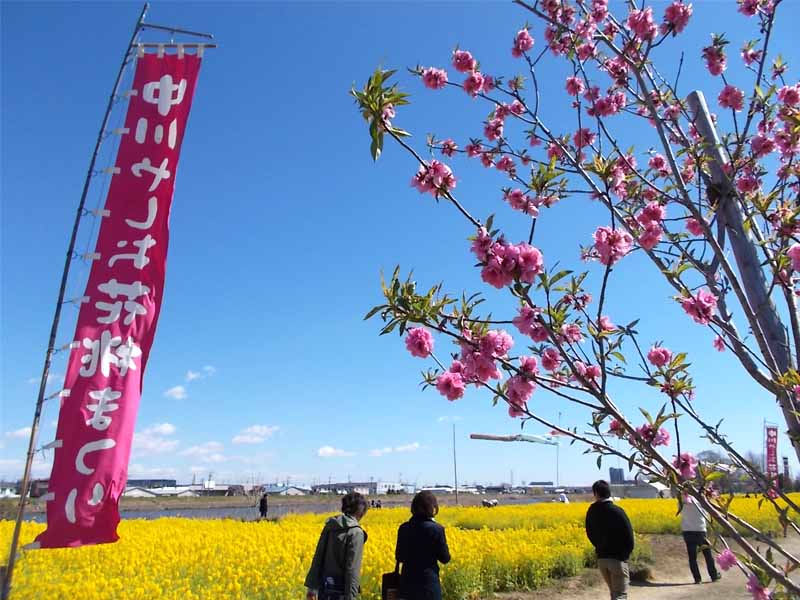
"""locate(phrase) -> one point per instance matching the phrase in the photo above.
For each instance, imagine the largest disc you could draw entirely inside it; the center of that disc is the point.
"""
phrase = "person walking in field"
(693, 525)
(609, 530)
(263, 506)
(421, 546)
(335, 571)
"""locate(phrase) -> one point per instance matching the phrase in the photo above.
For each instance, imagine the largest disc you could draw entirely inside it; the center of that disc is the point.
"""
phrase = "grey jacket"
(338, 554)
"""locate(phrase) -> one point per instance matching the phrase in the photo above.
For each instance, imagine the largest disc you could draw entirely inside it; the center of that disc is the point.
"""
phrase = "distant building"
(367, 488)
(616, 476)
(540, 484)
(9, 489)
(173, 491)
(151, 483)
(284, 490)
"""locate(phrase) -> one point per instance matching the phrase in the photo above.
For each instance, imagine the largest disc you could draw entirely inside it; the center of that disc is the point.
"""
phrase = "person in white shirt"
(693, 525)
(562, 497)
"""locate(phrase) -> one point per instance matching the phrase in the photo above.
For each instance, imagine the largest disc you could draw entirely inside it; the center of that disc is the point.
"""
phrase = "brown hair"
(354, 504)
(424, 505)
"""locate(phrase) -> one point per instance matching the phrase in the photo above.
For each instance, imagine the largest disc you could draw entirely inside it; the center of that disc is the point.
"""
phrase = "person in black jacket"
(421, 546)
(611, 534)
(263, 506)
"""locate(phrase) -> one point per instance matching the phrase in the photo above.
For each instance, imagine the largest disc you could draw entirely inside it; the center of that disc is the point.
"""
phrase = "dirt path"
(671, 579)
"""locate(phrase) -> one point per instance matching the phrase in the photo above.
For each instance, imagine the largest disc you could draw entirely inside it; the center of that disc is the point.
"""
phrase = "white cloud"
(192, 375)
(329, 451)
(154, 440)
(414, 446)
(448, 419)
(255, 434)
(203, 449)
(209, 370)
(380, 451)
(19, 433)
(137, 470)
(206, 371)
(214, 458)
(13, 467)
(161, 429)
(404, 448)
(50, 378)
(177, 392)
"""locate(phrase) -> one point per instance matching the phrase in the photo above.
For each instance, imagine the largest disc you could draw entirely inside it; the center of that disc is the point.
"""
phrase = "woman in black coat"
(421, 546)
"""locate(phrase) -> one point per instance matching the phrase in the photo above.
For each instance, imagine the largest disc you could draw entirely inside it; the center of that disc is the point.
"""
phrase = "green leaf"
(372, 313)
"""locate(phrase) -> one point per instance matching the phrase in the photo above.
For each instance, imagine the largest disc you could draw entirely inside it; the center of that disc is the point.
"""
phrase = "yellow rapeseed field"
(504, 548)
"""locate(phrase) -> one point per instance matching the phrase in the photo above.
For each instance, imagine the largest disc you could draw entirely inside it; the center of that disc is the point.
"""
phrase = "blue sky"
(280, 227)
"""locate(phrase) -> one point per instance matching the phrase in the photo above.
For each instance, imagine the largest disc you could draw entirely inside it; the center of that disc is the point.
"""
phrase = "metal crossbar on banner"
(133, 49)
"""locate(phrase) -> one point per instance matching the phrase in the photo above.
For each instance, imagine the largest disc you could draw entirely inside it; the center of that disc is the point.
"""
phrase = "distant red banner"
(119, 312)
(772, 452)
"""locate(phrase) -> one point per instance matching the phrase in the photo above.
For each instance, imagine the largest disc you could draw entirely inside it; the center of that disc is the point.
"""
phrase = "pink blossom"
(528, 364)
(658, 163)
(592, 372)
(571, 332)
(659, 356)
(530, 262)
(450, 385)
(539, 333)
(676, 17)
(719, 344)
(686, 464)
(574, 86)
(758, 591)
(487, 159)
(434, 178)
(481, 244)
(606, 324)
(496, 343)
(473, 84)
(516, 108)
(748, 7)
(653, 436)
(731, 97)
(641, 24)
(651, 236)
(715, 59)
(726, 559)
(747, 184)
(388, 112)
(463, 61)
(789, 95)
(611, 244)
(520, 389)
(583, 137)
(586, 51)
(473, 150)
(433, 78)
(761, 145)
(700, 307)
(506, 163)
(693, 226)
(521, 201)
(493, 129)
(554, 151)
(652, 213)
(449, 147)
(616, 428)
(525, 319)
(488, 83)
(551, 359)
(750, 55)
(419, 342)
(494, 274)
(794, 253)
(523, 42)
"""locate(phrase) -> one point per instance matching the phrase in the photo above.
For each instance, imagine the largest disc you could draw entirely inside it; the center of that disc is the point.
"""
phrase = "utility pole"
(558, 448)
(455, 467)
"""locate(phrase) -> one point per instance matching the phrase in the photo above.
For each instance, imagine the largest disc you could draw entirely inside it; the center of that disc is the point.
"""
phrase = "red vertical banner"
(772, 452)
(119, 310)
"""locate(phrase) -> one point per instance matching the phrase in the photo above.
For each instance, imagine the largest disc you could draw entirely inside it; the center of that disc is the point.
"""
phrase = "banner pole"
(8, 571)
